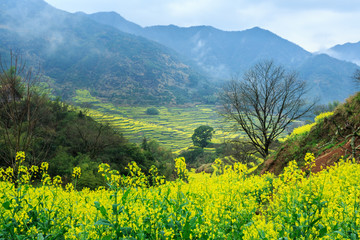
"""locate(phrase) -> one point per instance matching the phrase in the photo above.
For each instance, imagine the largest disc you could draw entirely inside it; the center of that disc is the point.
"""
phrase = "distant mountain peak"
(348, 52)
(223, 53)
(116, 20)
(113, 56)
(77, 52)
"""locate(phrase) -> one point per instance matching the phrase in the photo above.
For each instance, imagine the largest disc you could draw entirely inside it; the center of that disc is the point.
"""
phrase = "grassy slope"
(328, 140)
(173, 127)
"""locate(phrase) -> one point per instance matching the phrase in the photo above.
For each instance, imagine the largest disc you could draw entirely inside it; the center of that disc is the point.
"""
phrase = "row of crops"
(172, 127)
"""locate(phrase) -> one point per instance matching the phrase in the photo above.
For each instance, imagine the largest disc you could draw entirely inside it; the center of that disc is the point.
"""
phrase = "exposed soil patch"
(328, 158)
(331, 156)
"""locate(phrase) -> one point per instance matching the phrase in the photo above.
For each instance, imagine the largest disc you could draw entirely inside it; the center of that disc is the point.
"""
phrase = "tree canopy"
(202, 136)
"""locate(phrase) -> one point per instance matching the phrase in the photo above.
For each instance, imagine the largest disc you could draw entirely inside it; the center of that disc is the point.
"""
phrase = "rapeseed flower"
(228, 205)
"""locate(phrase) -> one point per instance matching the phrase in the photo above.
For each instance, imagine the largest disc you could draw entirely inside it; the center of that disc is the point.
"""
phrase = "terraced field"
(173, 127)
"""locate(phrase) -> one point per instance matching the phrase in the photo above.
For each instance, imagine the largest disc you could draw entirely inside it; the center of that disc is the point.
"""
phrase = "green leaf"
(341, 233)
(322, 231)
(103, 211)
(6, 205)
(103, 222)
(126, 230)
(124, 197)
(40, 236)
(115, 208)
(100, 208)
(353, 236)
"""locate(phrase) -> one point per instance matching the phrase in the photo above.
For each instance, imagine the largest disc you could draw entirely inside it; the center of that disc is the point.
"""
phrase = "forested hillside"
(76, 52)
(62, 135)
(223, 54)
(332, 136)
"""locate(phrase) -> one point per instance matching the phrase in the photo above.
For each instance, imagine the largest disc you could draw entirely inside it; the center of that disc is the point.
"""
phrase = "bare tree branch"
(264, 102)
(19, 105)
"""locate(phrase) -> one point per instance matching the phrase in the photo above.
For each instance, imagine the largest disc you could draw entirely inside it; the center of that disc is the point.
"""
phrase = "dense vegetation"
(228, 204)
(76, 53)
(172, 127)
(69, 138)
(52, 131)
(329, 137)
(70, 172)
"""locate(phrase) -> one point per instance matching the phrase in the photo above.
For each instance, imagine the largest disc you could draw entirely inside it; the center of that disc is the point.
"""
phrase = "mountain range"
(122, 62)
(223, 54)
(348, 52)
(79, 53)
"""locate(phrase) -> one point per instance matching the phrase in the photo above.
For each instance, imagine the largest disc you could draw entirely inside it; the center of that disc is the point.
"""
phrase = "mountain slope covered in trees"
(331, 138)
(153, 65)
(222, 54)
(77, 52)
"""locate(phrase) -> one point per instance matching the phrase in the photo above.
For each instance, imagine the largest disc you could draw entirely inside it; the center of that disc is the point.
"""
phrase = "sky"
(315, 25)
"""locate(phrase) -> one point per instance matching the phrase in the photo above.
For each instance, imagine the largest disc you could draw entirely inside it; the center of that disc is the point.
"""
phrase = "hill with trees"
(121, 62)
(65, 137)
(223, 54)
(332, 136)
(79, 53)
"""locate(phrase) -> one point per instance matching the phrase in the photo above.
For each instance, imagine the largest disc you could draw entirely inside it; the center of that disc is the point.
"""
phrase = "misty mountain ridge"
(219, 53)
(79, 53)
(222, 54)
(122, 62)
(348, 52)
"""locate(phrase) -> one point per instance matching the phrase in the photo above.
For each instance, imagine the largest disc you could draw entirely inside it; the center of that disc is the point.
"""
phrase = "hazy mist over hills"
(348, 52)
(222, 54)
(119, 61)
(77, 52)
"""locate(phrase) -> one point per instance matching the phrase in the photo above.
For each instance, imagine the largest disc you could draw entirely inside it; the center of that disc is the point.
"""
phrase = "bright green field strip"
(173, 127)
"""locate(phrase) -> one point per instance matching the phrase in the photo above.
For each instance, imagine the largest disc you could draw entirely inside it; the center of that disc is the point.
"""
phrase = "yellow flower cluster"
(20, 157)
(136, 177)
(6, 174)
(180, 169)
(323, 115)
(76, 172)
(309, 160)
(227, 205)
(306, 128)
(155, 177)
(302, 130)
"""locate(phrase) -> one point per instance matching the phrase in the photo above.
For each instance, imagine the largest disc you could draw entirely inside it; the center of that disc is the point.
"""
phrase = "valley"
(172, 127)
(112, 130)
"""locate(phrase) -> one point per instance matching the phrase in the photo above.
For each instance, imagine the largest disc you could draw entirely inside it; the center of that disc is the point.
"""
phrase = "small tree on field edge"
(202, 136)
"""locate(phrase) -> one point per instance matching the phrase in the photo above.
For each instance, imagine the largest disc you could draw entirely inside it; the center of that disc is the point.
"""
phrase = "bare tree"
(264, 102)
(19, 105)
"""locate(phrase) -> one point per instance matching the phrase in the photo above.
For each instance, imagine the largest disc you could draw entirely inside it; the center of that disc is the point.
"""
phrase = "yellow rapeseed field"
(229, 204)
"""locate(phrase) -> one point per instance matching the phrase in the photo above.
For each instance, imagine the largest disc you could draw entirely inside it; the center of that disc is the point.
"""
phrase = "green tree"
(152, 111)
(202, 136)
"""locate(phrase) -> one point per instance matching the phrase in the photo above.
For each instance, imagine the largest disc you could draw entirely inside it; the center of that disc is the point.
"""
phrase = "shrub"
(152, 111)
